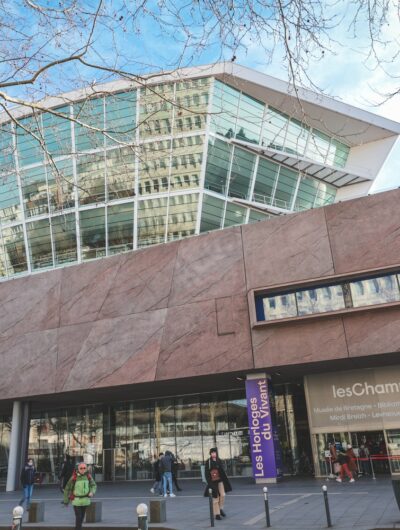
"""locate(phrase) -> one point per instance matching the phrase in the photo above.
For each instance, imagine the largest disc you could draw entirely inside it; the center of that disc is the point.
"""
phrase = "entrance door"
(375, 443)
(114, 464)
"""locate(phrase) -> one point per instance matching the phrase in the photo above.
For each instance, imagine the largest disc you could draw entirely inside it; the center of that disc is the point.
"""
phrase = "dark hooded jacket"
(28, 475)
(216, 464)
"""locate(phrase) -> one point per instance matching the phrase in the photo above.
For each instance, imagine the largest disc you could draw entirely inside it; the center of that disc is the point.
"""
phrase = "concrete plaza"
(294, 504)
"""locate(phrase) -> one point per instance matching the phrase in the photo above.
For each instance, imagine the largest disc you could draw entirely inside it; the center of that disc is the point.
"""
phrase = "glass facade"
(120, 440)
(5, 435)
(159, 160)
(344, 295)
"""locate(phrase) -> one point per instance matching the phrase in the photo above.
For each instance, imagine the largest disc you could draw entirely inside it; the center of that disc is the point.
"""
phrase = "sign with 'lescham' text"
(262, 446)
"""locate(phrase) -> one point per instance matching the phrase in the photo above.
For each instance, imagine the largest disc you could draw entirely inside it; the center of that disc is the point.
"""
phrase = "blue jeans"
(167, 477)
(28, 490)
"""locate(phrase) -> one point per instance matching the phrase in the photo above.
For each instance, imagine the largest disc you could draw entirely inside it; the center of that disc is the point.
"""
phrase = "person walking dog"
(79, 491)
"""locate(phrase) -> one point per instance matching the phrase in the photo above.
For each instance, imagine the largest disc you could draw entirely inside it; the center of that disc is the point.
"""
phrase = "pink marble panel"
(191, 345)
(70, 342)
(84, 289)
(225, 315)
(143, 281)
(287, 249)
(208, 266)
(301, 342)
(365, 233)
(28, 364)
(373, 332)
(118, 351)
(30, 303)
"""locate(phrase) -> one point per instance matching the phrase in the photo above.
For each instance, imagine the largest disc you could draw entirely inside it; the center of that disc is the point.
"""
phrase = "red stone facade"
(182, 309)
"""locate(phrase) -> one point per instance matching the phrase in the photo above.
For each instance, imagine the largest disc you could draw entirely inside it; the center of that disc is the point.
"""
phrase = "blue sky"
(345, 72)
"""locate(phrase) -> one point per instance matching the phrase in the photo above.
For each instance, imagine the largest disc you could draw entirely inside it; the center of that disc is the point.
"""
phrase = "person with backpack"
(218, 482)
(79, 491)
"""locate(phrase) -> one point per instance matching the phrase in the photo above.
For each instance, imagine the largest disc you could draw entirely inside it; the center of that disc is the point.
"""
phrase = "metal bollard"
(328, 513)
(266, 502)
(210, 501)
(142, 511)
(18, 512)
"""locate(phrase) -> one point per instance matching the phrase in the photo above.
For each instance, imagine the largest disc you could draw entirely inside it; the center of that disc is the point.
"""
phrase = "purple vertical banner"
(262, 445)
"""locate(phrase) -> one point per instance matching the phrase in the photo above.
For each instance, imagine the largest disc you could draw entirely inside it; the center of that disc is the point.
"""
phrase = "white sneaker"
(339, 479)
(152, 490)
(172, 495)
(165, 495)
(352, 480)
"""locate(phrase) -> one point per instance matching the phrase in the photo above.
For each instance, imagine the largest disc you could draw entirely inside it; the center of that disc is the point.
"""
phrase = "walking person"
(343, 460)
(157, 486)
(28, 481)
(79, 490)
(218, 482)
(166, 470)
(66, 471)
(364, 458)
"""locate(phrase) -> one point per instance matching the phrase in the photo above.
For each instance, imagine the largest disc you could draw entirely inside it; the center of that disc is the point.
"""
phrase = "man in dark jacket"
(66, 471)
(27, 480)
(166, 470)
(218, 482)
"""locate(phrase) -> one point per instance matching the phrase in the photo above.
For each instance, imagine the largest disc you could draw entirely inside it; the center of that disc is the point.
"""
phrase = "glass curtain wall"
(120, 440)
(5, 435)
(136, 152)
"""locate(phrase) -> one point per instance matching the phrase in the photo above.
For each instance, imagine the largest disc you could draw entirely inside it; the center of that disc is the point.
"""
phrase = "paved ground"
(295, 504)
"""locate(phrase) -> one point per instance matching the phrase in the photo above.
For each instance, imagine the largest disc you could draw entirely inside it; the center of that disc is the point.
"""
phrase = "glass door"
(393, 449)
(114, 464)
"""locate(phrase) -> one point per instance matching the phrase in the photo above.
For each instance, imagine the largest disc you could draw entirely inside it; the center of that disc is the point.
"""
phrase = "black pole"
(328, 513)
(210, 501)
(266, 502)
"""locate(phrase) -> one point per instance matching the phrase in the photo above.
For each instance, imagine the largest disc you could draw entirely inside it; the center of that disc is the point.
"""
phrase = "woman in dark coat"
(218, 481)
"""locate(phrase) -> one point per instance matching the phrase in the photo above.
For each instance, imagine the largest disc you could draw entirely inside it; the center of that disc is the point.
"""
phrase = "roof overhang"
(338, 177)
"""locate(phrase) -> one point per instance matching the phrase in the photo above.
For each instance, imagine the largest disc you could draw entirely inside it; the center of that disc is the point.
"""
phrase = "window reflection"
(91, 178)
(64, 238)
(120, 228)
(14, 248)
(120, 168)
(57, 132)
(280, 306)
(10, 205)
(34, 191)
(218, 162)
(182, 216)
(346, 295)
(320, 300)
(151, 221)
(93, 240)
(375, 291)
(234, 215)
(212, 213)
(39, 242)
(241, 173)
(61, 185)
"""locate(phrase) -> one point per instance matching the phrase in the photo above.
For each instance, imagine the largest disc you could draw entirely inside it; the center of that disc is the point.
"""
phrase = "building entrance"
(367, 448)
